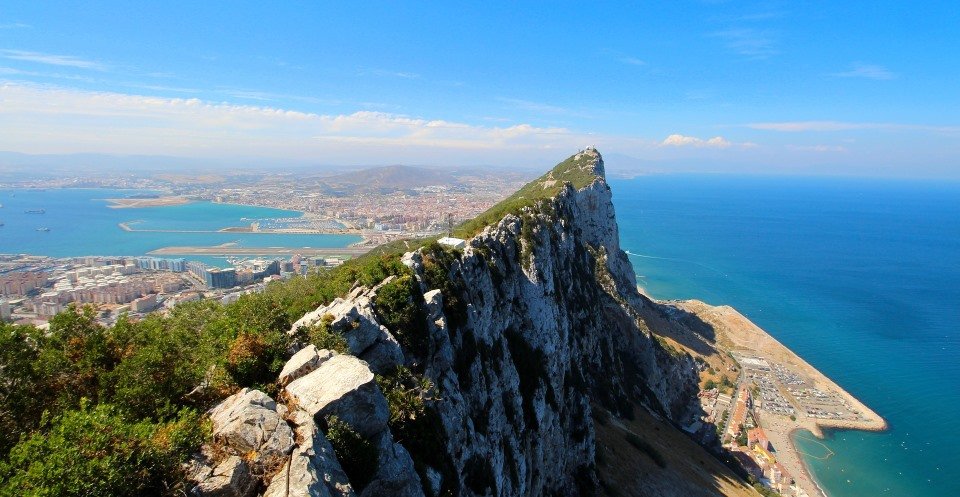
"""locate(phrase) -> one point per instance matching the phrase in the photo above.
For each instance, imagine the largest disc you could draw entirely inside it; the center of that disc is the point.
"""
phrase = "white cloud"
(817, 148)
(46, 119)
(390, 74)
(868, 71)
(633, 61)
(15, 25)
(50, 59)
(538, 107)
(677, 140)
(753, 43)
(823, 126)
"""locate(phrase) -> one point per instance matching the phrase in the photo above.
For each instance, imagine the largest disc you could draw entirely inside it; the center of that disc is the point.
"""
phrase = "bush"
(322, 337)
(358, 457)
(398, 306)
(416, 425)
(95, 451)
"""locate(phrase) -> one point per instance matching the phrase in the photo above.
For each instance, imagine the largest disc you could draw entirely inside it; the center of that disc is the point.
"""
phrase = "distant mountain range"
(390, 178)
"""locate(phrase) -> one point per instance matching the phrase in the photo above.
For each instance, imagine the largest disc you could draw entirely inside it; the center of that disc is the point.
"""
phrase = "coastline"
(746, 336)
(140, 203)
(735, 333)
(804, 467)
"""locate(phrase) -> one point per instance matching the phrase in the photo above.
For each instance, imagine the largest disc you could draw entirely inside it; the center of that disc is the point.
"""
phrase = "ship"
(43, 229)
(35, 211)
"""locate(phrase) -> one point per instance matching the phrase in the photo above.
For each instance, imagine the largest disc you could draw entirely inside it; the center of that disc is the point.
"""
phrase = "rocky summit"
(519, 340)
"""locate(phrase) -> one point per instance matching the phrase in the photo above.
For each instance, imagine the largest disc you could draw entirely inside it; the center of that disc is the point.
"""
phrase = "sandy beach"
(734, 333)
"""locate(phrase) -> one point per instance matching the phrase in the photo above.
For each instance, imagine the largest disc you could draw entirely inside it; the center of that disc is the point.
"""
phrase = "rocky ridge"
(528, 329)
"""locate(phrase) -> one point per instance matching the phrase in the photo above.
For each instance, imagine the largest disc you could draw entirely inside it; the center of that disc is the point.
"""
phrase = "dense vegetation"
(81, 396)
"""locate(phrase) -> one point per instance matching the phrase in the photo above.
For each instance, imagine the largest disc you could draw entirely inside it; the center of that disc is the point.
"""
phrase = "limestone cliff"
(527, 331)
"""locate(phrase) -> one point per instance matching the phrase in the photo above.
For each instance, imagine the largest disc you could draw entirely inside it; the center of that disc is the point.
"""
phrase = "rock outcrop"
(354, 318)
(536, 321)
(342, 386)
(281, 449)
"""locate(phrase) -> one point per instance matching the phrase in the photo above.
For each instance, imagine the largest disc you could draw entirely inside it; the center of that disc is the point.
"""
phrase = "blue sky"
(862, 88)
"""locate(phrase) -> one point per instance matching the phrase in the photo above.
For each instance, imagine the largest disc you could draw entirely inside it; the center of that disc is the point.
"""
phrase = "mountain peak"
(580, 170)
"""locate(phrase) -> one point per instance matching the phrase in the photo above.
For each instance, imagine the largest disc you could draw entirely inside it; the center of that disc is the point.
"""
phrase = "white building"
(457, 243)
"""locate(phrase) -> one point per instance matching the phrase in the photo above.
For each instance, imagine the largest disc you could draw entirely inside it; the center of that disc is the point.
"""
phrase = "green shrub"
(95, 451)
(358, 456)
(416, 425)
(399, 308)
(322, 337)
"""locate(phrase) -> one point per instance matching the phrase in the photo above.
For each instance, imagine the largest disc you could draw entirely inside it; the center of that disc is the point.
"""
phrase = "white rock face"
(248, 421)
(342, 386)
(231, 478)
(355, 318)
(313, 469)
(545, 319)
(303, 362)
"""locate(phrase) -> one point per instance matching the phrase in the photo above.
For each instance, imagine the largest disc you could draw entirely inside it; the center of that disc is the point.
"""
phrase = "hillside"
(389, 179)
(516, 366)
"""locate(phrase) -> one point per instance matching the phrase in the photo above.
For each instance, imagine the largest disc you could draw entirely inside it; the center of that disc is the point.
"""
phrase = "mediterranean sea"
(859, 277)
(80, 224)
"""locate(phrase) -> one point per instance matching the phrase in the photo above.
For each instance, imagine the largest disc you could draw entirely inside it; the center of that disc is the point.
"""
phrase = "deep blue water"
(81, 224)
(859, 277)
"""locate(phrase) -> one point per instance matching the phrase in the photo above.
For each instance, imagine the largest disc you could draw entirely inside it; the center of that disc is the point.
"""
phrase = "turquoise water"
(80, 224)
(859, 277)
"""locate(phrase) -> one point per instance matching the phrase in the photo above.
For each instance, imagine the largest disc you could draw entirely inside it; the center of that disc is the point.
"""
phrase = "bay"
(81, 224)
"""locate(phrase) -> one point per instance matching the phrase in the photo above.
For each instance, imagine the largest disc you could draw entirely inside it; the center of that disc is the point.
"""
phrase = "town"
(768, 397)
(33, 289)
(380, 204)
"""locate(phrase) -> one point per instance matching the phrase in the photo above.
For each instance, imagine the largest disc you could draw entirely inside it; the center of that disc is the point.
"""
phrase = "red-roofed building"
(758, 436)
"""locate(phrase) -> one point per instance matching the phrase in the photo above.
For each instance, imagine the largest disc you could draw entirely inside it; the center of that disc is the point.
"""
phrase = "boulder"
(313, 469)
(249, 422)
(231, 478)
(303, 362)
(353, 317)
(384, 355)
(345, 387)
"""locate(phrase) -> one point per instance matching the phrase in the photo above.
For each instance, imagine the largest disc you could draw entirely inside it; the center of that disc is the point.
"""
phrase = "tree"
(95, 451)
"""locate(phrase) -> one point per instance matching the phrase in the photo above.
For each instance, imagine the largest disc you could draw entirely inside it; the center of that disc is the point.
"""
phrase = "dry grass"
(647, 457)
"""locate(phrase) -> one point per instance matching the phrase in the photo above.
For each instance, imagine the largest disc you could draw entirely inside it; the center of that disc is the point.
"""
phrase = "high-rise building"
(4, 310)
(221, 278)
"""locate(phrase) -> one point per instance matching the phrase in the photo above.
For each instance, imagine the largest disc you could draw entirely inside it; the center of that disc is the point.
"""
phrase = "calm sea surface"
(859, 277)
(80, 224)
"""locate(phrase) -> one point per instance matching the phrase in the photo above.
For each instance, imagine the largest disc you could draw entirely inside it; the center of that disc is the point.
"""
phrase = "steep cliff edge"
(514, 343)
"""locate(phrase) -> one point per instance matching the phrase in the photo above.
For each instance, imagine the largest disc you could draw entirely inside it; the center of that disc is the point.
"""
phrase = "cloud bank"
(43, 119)
(677, 140)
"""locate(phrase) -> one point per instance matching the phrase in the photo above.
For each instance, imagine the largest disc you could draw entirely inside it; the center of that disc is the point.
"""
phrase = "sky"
(798, 87)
